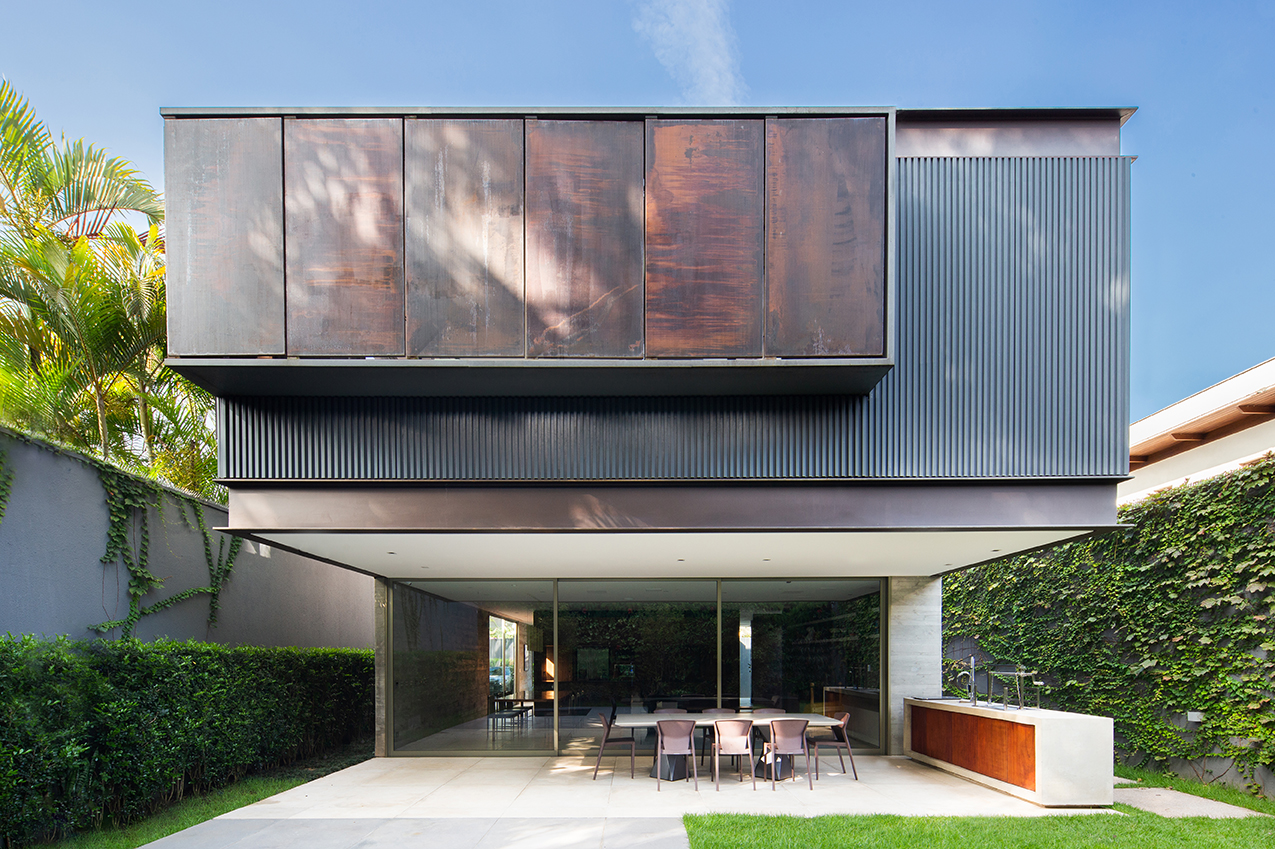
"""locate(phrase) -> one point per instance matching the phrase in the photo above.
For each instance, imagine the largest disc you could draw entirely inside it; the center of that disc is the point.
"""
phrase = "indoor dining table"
(706, 720)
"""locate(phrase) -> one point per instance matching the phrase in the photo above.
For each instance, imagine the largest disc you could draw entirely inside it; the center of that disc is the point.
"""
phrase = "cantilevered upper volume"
(660, 252)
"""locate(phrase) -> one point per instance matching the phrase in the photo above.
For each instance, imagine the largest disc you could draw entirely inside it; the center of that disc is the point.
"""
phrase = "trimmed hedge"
(113, 730)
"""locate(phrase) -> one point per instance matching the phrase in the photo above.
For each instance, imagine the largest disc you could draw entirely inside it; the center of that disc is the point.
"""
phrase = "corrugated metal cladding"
(1013, 309)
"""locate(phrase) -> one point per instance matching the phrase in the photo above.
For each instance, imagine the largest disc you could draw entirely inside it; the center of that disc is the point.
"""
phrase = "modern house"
(636, 408)
(1213, 431)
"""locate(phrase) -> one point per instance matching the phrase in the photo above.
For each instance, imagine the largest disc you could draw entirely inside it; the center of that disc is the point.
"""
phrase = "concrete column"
(914, 651)
(381, 664)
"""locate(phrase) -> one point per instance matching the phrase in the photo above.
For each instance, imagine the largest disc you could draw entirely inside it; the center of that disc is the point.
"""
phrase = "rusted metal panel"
(825, 236)
(584, 238)
(464, 189)
(704, 238)
(343, 203)
(224, 199)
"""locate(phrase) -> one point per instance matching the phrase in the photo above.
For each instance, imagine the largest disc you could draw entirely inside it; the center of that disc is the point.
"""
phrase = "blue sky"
(1200, 73)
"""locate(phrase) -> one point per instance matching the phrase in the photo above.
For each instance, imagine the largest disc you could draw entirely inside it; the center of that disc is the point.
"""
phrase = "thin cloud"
(694, 41)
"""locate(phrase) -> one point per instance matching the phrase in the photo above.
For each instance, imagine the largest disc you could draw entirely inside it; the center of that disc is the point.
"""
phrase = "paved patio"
(538, 803)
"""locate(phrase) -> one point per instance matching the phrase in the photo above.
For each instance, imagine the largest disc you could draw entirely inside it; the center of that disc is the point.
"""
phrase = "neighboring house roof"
(1211, 432)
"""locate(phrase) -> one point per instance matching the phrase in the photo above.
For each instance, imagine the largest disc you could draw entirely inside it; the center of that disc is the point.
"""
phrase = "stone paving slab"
(438, 833)
(1174, 803)
(555, 803)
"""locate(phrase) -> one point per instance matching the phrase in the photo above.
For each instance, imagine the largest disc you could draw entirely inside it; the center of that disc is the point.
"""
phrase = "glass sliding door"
(806, 646)
(468, 664)
(476, 666)
(633, 647)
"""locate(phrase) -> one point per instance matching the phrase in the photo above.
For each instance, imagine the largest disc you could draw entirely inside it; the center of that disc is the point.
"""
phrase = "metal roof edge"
(1083, 113)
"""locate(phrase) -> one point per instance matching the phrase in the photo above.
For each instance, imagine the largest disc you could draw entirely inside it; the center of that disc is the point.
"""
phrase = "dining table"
(673, 771)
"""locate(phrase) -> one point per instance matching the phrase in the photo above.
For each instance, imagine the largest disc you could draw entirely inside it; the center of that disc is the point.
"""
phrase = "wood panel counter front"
(1052, 758)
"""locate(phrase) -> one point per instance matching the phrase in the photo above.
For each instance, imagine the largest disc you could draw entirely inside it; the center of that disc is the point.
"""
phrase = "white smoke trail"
(694, 41)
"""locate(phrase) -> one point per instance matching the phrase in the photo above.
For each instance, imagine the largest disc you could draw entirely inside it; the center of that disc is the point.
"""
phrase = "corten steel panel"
(584, 238)
(463, 194)
(704, 238)
(1022, 756)
(223, 182)
(825, 236)
(343, 203)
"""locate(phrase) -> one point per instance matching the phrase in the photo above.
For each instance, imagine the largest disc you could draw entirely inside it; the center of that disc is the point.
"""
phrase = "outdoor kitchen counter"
(1050, 757)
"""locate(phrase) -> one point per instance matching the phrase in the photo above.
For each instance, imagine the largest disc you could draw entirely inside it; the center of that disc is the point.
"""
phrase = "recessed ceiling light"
(765, 560)
(390, 552)
(681, 560)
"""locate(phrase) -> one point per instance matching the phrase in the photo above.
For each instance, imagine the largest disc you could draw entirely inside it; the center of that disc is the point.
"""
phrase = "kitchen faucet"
(973, 687)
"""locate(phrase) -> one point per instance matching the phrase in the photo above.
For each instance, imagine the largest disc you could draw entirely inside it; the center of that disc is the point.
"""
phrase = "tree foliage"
(82, 308)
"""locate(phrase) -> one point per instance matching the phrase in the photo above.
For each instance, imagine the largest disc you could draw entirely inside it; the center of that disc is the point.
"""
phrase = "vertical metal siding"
(1013, 299)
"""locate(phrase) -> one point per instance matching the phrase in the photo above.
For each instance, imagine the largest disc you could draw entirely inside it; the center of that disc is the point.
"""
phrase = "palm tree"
(82, 311)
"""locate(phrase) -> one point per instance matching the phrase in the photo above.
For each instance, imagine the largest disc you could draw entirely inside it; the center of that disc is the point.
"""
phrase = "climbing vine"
(6, 482)
(1172, 614)
(129, 501)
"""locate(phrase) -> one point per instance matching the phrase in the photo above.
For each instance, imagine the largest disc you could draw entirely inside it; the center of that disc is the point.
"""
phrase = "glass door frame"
(556, 750)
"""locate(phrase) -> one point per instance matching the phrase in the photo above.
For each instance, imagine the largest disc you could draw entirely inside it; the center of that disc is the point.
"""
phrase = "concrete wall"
(52, 580)
(914, 659)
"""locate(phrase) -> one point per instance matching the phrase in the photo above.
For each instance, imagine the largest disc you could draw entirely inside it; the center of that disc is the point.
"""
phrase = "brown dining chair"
(762, 729)
(706, 739)
(733, 737)
(675, 737)
(840, 740)
(669, 710)
(788, 737)
(628, 742)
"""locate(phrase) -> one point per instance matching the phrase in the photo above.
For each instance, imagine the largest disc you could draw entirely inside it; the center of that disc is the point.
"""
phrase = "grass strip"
(1216, 792)
(183, 814)
(196, 809)
(1080, 831)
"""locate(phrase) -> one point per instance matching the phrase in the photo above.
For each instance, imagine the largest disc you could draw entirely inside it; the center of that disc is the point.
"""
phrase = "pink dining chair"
(733, 737)
(840, 740)
(788, 737)
(675, 737)
(706, 740)
(627, 742)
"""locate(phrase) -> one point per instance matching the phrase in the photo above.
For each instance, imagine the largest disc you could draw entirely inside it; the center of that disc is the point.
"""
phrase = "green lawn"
(1082, 831)
(184, 814)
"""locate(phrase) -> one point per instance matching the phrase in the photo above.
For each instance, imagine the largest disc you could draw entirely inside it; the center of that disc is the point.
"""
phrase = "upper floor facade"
(654, 295)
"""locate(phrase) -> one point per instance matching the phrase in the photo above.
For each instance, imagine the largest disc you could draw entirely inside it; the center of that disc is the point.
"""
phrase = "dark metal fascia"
(627, 113)
(992, 114)
(904, 529)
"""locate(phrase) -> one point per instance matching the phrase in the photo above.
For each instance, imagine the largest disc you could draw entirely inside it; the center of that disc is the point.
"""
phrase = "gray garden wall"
(53, 581)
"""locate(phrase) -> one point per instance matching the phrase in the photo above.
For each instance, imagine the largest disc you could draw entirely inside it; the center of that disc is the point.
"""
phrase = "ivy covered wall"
(1172, 615)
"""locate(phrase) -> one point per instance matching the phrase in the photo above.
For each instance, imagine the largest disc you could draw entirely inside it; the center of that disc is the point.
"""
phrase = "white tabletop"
(648, 720)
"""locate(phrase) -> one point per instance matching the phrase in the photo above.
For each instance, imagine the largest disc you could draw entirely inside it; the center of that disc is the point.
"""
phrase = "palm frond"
(23, 140)
(85, 188)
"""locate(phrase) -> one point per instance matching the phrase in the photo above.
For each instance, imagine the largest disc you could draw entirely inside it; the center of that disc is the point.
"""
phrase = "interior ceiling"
(417, 556)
